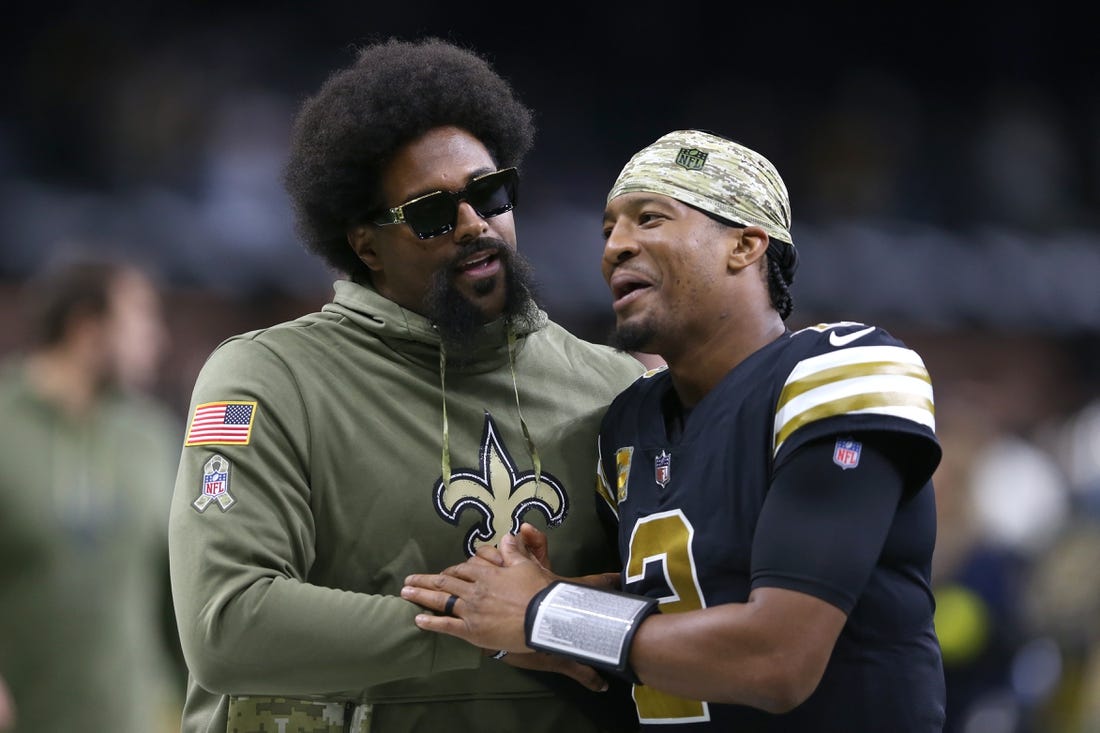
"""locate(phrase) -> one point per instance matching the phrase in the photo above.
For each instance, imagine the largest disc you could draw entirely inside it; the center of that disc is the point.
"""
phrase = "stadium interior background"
(943, 163)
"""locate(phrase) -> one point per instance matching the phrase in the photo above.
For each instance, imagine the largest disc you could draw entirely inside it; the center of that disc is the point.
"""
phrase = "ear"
(751, 243)
(361, 240)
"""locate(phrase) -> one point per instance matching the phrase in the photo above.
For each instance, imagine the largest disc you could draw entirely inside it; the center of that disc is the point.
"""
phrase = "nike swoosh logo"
(836, 340)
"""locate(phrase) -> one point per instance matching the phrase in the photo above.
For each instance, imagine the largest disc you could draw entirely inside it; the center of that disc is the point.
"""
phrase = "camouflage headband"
(715, 174)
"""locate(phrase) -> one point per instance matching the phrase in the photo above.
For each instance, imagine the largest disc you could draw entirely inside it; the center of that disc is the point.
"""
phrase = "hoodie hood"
(414, 335)
(493, 346)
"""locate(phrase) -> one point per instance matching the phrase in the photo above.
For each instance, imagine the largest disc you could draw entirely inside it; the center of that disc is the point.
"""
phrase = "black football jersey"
(687, 501)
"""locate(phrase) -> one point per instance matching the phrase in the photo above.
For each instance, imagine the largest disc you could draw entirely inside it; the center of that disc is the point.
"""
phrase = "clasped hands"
(490, 594)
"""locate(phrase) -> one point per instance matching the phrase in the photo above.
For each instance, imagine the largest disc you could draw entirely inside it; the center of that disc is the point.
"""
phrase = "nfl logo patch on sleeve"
(846, 453)
(215, 485)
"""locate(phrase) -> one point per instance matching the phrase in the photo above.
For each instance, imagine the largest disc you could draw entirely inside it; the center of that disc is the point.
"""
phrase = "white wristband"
(591, 625)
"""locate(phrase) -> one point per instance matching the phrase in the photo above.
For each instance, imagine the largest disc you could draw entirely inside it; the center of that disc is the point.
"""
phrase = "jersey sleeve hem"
(811, 587)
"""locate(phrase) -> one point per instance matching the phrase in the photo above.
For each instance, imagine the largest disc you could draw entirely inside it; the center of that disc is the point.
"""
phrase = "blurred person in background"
(1018, 603)
(7, 712)
(429, 409)
(86, 464)
(977, 581)
(1061, 600)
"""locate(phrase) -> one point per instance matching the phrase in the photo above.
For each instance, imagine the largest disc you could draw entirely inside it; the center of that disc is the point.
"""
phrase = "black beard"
(632, 338)
(455, 317)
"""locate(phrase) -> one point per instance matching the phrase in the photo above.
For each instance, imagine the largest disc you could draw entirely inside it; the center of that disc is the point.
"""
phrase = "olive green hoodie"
(311, 484)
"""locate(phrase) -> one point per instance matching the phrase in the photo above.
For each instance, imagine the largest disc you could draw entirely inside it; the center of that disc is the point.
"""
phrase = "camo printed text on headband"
(714, 174)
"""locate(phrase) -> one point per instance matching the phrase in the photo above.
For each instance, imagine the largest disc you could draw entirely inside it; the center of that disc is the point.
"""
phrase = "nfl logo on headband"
(739, 184)
(691, 158)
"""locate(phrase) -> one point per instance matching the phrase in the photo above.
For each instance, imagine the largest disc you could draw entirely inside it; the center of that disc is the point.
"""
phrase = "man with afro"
(429, 409)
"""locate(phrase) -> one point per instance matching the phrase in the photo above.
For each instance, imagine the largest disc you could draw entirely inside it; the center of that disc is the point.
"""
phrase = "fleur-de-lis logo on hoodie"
(499, 493)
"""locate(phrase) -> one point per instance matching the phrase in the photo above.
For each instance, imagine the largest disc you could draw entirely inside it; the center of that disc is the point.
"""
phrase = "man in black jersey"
(772, 489)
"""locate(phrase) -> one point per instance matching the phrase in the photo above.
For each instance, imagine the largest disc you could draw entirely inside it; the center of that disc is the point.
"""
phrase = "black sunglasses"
(436, 213)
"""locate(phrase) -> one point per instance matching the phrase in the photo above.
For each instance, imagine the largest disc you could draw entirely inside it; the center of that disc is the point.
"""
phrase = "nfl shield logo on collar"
(846, 453)
(662, 468)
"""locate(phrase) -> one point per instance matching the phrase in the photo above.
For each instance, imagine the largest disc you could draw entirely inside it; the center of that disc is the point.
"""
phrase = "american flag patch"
(221, 423)
(846, 453)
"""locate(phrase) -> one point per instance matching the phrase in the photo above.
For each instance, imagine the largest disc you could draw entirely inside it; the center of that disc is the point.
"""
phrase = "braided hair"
(780, 277)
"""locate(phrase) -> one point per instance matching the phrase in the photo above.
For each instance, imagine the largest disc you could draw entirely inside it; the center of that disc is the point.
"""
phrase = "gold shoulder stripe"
(879, 379)
(836, 374)
(882, 403)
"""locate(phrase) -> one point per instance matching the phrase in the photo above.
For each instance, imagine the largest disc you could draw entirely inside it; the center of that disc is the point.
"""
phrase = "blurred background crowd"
(944, 171)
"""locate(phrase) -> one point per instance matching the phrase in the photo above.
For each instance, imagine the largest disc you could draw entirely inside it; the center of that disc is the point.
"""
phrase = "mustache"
(481, 244)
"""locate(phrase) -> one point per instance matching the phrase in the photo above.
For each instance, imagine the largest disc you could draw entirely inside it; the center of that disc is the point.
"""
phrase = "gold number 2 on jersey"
(665, 538)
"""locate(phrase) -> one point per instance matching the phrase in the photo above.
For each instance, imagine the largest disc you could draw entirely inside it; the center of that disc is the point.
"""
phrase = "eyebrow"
(646, 199)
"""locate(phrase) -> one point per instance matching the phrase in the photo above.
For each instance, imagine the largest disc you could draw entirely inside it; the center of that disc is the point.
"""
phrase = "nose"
(468, 223)
(618, 247)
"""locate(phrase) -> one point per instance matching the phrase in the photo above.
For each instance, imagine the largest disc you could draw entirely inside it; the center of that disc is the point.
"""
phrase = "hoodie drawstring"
(446, 432)
(531, 449)
(535, 460)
